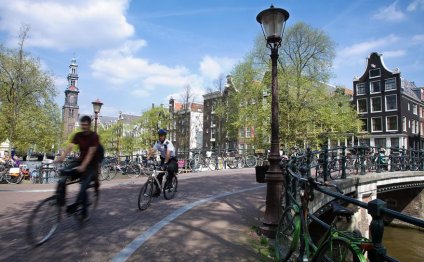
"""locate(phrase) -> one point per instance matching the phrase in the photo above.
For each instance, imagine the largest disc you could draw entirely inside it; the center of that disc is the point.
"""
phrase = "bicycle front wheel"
(43, 221)
(288, 233)
(250, 161)
(341, 251)
(145, 196)
(170, 188)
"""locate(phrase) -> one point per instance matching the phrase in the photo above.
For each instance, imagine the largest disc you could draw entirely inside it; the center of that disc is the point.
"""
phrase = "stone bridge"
(402, 191)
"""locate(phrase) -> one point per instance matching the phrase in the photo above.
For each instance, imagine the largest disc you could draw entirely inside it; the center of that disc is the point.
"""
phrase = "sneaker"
(72, 208)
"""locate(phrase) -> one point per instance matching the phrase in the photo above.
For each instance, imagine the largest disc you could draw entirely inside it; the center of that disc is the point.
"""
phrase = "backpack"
(100, 153)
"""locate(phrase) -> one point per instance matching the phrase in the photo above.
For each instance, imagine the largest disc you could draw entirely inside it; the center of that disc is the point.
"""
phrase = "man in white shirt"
(167, 157)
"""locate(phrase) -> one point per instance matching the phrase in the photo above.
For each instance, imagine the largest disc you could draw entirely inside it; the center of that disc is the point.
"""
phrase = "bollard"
(376, 230)
(343, 162)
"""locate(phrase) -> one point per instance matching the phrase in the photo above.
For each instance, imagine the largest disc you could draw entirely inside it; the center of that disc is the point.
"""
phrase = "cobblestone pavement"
(214, 231)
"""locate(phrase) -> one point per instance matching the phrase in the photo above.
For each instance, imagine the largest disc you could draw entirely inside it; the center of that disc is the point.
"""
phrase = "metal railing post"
(378, 160)
(308, 161)
(420, 160)
(376, 229)
(343, 162)
(325, 163)
(362, 159)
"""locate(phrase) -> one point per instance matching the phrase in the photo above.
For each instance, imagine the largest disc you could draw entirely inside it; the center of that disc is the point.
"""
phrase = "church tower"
(70, 110)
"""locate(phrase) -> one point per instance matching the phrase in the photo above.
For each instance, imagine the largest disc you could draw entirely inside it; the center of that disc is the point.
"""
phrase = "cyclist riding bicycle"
(88, 143)
(167, 157)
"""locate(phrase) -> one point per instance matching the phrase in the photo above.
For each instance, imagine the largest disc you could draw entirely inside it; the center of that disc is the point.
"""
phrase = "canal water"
(404, 244)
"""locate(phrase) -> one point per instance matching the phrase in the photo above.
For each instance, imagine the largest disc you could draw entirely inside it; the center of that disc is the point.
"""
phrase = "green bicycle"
(293, 241)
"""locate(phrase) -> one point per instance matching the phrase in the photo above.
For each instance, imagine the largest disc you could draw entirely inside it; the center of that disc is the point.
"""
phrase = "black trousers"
(172, 169)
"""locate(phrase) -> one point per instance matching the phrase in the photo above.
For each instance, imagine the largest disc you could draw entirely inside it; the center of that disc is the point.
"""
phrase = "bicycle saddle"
(340, 210)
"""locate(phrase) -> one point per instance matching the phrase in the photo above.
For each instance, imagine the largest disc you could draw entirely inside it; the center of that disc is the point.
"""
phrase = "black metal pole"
(274, 177)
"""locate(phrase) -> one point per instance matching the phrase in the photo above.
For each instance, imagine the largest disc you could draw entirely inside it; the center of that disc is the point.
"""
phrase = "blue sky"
(135, 53)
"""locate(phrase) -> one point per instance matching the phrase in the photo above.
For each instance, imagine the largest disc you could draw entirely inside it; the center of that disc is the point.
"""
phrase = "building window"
(417, 127)
(242, 132)
(404, 124)
(360, 89)
(391, 103)
(375, 104)
(248, 132)
(364, 127)
(375, 73)
(380, 142)
(422, 129)
(414, 109)
(394, 141)
(409, 106)
(413, 127)
(392, 123)
(376, 125)
(375, 87)
(390, 84)
(362, 106)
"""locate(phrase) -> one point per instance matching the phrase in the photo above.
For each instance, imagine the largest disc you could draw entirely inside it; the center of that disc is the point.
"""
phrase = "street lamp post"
(97, 105)
(273, 21)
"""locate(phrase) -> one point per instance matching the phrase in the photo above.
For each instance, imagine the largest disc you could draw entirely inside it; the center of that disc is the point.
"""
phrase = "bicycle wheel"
(288, 233)
(13, 178)
(250, 161)
(336, 170)
(212, 164)
(170, 188)
(232, 162)
(53, 176)
(112, 173)
(145, 195)
(104, 172)
(339, 250)
(134, 170)
(43, 221)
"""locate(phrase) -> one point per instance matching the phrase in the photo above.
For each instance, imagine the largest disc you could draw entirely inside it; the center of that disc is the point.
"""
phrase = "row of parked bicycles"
(194, 161)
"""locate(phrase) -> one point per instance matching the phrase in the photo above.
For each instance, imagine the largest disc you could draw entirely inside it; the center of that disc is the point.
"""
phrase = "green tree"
(310, 112)
(149, 122)
(28, 113)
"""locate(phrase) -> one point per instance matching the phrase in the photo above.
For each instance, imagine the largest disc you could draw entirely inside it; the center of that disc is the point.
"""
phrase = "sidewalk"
(219, 230)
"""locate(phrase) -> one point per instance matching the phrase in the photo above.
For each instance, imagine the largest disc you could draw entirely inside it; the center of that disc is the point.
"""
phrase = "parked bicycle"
(45, 173)
(147, 190)
(45, 218)
(293, 241)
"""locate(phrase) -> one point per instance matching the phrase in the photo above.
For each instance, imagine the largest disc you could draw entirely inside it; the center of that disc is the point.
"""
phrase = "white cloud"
(389, 13)
(213, 67)
(394, 53)
(63, 24)
(122, 68)
(416, 39)
(355, 54)
(415, 5)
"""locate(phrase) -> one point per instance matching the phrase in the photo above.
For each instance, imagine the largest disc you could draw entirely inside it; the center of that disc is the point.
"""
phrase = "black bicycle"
(45, 218)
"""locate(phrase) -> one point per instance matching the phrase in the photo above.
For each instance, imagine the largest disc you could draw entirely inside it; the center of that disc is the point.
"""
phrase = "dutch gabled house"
(389, 106)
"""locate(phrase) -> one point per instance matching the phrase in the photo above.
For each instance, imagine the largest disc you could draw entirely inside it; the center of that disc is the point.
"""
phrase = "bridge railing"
(340, 162)
(300, 166)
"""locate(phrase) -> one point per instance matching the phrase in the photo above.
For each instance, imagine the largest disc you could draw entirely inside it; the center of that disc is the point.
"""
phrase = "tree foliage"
(28, 113)
(149, 123)
(310, 110)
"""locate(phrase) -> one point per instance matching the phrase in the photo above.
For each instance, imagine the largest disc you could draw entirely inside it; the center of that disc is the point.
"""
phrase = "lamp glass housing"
(272, 21)
(97, 105)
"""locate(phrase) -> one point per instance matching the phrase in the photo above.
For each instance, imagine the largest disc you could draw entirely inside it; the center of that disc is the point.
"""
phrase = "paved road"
(213, 230)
